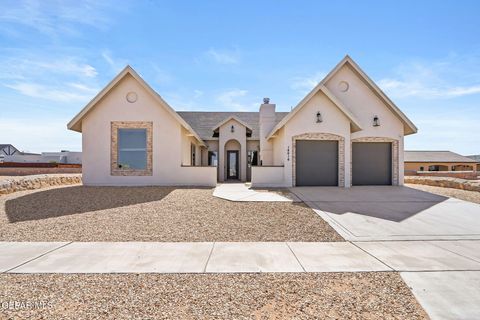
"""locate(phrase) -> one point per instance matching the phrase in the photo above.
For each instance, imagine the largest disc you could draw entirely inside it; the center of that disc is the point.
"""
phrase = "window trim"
(115, 125)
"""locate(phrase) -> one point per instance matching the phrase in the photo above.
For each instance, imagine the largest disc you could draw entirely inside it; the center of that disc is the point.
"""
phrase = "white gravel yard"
(210, 296)
(78, 213)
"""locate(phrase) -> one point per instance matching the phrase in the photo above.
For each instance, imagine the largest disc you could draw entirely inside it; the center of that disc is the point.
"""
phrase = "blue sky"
(224, 55)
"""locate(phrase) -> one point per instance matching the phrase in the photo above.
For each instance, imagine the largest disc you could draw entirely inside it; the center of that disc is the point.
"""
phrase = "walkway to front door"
(232, 164)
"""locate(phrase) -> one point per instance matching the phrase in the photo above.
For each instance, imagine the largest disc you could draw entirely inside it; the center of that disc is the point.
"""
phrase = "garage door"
(371, 163)
(316, 163)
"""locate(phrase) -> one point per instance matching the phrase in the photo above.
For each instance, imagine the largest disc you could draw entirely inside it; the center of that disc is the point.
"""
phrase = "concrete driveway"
(383, 213)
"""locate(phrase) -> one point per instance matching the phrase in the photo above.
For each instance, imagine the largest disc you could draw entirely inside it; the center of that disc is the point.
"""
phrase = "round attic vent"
(343, 86)
(131, 97)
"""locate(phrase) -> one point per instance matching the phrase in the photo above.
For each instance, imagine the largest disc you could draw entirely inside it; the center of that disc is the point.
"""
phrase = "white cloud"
(224, 56)
(116, 64)
(235, 100)
(197, 93)
(35, 90)
(306, 83)
(434, 80)
(55, 18)
(63, 79)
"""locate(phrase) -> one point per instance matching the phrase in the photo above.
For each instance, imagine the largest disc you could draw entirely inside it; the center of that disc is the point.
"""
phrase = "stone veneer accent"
(115, 125)
(395, 156)
(321, 136)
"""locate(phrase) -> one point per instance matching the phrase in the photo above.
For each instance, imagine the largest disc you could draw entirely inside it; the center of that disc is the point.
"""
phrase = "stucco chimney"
(266, 124)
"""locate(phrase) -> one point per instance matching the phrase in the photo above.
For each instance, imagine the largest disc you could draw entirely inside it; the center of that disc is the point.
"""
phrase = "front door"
(232, 164)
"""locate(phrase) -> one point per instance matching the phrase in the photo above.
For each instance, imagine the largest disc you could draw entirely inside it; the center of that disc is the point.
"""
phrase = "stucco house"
(345, 132)
(433, 160)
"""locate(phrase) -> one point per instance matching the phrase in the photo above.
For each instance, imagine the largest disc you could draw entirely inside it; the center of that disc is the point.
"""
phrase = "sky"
(55, 56)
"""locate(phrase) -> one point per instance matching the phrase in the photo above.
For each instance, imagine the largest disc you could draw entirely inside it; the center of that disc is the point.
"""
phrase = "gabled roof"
(409, 127)
(203, 121)
(435, 156)
(355, 124)
(76, 123)
(221, 123)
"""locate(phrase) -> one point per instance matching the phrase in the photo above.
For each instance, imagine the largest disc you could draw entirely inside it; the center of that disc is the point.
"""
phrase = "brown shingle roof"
(435, 156)
(203, 122)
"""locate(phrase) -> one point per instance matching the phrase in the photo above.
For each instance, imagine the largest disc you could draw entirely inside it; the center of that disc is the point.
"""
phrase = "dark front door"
(232, 164)
(371, 163)
(316, 163)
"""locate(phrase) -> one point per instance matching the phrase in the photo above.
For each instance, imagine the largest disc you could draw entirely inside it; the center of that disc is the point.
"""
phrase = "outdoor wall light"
(319, 117)
(376, 121)
(232, 129)
(288, 153)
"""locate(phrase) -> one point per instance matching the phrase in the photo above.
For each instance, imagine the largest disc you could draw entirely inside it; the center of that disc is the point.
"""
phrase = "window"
(132, 149)
(212, 158)
(422, 168)
(192, 154)
(253, 157)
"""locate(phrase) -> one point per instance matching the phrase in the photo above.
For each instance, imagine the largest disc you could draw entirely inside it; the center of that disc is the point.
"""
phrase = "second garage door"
(371, 163)
(316, 163)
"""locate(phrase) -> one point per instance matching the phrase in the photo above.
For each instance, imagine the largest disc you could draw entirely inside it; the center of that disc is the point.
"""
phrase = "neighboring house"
(66, 157)
(345, 132)
(477, 159)
(438, 161)
(7, 150)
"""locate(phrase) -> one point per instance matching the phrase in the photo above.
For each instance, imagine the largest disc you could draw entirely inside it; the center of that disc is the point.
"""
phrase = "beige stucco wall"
(267, 176)
(304, 122)
(365, 104)
(168, 141)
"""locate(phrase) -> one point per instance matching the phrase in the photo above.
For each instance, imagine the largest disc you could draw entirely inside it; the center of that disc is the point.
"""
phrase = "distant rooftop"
(435, 156)
(475, 157)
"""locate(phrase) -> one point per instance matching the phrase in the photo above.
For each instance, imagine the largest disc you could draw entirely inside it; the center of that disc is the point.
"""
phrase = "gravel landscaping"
(78, 213)
(209, 296)
(472, 196)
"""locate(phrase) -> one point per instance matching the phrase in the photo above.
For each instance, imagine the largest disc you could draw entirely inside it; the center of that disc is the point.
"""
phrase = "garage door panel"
(371, 163)
(316, 163)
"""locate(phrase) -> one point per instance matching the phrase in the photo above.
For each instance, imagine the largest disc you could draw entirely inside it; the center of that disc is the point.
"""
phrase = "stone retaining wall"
(18, 171)
(446, 182)
(470, 175)
(10, 185)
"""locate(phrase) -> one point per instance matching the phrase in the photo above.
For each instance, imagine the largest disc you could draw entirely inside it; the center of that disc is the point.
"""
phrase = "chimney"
(266, 124)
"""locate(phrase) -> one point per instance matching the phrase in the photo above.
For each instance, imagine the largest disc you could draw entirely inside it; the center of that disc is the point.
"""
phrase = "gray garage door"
(371, 163)
(316, 163)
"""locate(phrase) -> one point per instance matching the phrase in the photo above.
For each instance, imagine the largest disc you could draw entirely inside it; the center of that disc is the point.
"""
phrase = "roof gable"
(76, 123)
(354, 123)
(409, 127)
(221, 123)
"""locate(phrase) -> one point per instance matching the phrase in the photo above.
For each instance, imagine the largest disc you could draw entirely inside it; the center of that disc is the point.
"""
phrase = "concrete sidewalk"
(235, 257)
(241, 193)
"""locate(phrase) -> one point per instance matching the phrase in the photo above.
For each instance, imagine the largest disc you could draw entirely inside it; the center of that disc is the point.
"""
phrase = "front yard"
(211, 296)
(77, 213)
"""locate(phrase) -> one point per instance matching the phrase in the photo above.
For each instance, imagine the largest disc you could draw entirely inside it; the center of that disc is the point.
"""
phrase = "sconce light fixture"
(232, 129)
(288, 153)
(319, 117)
(376, 121)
